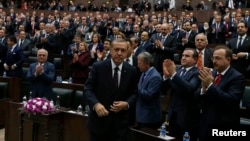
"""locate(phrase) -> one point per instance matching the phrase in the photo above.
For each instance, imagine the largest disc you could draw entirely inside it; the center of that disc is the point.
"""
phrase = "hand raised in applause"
(206, 77)
(101, 110)
(170, 66)
(39, 69)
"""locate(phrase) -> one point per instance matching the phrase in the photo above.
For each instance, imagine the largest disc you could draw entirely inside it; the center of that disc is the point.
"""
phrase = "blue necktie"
(183, 72)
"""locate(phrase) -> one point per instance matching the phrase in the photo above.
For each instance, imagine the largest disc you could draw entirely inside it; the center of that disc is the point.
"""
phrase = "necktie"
(187, 35)
(21, 42)
(162, 40)
(143, 77)
(127, 60)
(115, 77)
(240, 43)
(199, 62)
(10, 49)
(183, 72)
(217, 79)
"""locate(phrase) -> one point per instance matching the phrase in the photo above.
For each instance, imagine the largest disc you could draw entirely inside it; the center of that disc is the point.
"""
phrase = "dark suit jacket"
(208, 54)
(3, 55)
(147, 46)
(50, 46)
(220, 104)
(26, 47)
(99, 88)
(15, 57)
(148, 108)
(241, 64)
(190, 43)
(160, 55)
(181, 98)
(218, 37)
(40, 86)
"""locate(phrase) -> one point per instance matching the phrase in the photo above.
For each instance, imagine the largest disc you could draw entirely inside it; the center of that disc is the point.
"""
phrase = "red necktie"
(217, 79)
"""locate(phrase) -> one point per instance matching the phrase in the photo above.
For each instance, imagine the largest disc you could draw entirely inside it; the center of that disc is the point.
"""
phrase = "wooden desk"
(75, 127)
(13, 87)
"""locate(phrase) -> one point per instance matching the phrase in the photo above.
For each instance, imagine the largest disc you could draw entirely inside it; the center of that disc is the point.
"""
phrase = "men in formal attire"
(24, 44)
(220, 95)
(204, 53)
(3, 55)
(182, 112)
(241, 50)
(247, 21)
(83, 29)
(148, 110)
(157, 33)
(105, 54)
(15, 58)
(218, 31)
(145, 44)
(48, 42)
(164, 48)
(41, 74)
(186, 38)
(110, 90)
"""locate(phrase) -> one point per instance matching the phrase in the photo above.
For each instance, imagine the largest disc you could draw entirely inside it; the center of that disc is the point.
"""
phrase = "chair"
(32, 59)
(245, 110)
(58, 63)
(78, 99)
(65, 96)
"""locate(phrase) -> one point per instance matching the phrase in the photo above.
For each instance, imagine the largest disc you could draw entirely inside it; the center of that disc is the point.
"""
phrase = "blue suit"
(15, 57)
(148, 108)
(220, 104)
(41, 85)
(182, 112)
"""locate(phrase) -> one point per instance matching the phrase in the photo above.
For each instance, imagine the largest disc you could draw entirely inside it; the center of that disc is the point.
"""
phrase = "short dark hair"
(229, 52)
(195, 53)
(12, 39)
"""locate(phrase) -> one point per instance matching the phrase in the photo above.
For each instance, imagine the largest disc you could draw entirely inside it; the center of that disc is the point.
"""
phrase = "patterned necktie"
(183, 72)
(199, 62)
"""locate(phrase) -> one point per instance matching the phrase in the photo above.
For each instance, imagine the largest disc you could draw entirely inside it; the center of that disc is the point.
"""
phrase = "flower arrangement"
(38, 106)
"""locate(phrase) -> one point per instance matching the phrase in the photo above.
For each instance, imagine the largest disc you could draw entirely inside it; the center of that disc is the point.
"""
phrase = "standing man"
(41, 75)
(148, 109)
(15, 58)
(110, 91)
(183, 114)
(220, 95)
(241, 50)
(204, 53)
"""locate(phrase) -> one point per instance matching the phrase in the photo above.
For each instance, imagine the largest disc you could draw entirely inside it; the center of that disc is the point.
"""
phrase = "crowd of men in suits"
(163, 35)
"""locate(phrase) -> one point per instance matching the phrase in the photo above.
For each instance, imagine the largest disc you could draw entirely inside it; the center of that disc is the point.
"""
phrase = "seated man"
(41, 75)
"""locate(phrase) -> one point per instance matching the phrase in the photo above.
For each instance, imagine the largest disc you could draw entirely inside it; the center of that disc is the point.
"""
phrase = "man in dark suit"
(241, 50)
(15, 58)
(218, 31)
(48, 42)
(186, 38)
(145, 44)
(204, 53)
(148, 105)
(24, 44)
(110, 91)
(182, 113)
(41, 75)
(164, 48)
(220, 95)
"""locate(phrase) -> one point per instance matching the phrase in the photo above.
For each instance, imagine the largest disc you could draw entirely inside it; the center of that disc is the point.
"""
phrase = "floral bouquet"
(38, 106)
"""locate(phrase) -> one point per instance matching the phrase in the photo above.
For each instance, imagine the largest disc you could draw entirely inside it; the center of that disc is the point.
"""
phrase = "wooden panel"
(75, 127)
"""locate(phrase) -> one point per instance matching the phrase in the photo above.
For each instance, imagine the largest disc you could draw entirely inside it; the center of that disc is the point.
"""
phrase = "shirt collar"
(223, 73)
(114, 65)
(243, 37)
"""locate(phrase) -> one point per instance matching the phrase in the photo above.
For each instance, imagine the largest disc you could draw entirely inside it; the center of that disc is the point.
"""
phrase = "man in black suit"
(182, 112)
(24, 44)
(164, 48)
(241, 50)
(204, 53)
(219, 96)
(110, 91)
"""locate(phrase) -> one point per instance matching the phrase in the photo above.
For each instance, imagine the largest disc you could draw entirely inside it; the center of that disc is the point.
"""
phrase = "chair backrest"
(78, 99)
(58, 63)
(65, 96)
(246, 97)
